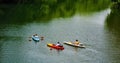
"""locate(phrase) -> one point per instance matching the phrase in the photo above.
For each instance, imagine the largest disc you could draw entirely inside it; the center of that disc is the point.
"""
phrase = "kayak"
(71, 44)
(36, 38)
(55, 47)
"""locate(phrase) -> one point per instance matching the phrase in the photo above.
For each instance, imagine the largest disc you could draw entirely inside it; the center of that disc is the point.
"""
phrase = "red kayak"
(55, 47)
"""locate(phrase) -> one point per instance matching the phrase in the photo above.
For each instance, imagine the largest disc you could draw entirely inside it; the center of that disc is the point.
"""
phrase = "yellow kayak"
(71, 44)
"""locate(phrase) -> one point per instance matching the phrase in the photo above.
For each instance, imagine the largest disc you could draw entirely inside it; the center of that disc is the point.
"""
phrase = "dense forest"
(31, 10)
(113, 18)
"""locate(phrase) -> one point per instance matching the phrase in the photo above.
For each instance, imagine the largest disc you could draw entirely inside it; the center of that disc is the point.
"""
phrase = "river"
(102, 46)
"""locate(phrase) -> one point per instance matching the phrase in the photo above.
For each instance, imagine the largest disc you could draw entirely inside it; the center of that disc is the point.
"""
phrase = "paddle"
(30, 38)
(42, 38)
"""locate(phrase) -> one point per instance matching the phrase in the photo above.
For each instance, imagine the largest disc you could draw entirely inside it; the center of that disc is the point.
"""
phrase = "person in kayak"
(76, 42)
(58, 44)
(36, 35)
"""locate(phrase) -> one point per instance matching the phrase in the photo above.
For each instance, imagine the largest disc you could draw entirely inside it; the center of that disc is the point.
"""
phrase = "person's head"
(76, 40)
(58, 42)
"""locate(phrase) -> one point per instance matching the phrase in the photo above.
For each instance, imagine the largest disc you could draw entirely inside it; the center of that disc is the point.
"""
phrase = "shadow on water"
(52, 51)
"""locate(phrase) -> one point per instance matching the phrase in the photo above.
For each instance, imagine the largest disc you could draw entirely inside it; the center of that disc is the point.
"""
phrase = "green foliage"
(48, 9)
(115, 8)
(113, 19)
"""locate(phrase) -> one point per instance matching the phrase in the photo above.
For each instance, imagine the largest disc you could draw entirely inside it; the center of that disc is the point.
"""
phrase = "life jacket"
(77, 43)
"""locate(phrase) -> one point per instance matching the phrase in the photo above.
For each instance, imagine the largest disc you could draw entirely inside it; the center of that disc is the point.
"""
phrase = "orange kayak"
(55, 47)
